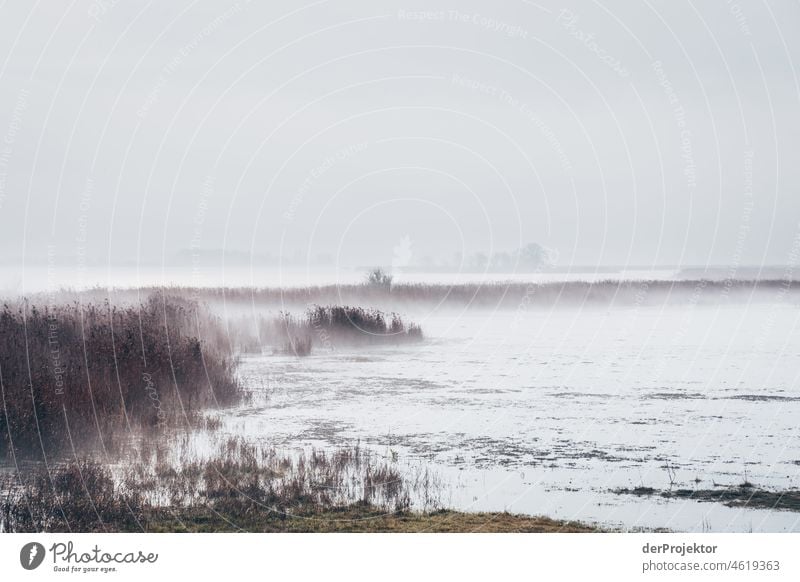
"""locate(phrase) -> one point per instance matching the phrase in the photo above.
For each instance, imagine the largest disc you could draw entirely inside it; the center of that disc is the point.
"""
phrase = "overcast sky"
(617, 133)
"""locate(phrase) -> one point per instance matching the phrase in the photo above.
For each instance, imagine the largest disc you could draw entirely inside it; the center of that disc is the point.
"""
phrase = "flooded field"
(631, 405)
(550, 412)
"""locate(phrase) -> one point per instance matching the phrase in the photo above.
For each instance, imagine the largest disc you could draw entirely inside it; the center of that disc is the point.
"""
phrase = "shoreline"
(356, 519)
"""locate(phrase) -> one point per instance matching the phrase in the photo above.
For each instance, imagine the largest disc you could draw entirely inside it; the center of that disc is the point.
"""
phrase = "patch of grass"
(743, 495)
(79, 496)
(361, 519)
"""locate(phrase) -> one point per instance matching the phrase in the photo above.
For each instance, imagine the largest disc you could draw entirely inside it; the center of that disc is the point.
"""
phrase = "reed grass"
(240, 480)
(497, 294)
(77, 375)
(325, 327)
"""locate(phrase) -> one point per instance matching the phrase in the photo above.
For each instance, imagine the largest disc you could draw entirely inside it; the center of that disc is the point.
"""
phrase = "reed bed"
(77, 375)
(502, 295)
(325, 327)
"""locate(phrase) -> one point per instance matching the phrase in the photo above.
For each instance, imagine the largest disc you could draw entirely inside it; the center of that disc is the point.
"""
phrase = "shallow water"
(546, 412)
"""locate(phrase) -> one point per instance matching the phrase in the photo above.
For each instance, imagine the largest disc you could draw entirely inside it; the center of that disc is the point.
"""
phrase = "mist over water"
(554, 409)
(487, 257)
(39, 278)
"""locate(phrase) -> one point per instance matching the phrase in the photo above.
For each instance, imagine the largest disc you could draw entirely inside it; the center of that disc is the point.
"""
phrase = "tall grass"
(505, 295)
(322, 326)
(360, 324)
(239, 481)
(82, 375)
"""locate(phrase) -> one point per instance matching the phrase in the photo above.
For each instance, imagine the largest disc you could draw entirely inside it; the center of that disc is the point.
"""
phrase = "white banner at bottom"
(388, 557)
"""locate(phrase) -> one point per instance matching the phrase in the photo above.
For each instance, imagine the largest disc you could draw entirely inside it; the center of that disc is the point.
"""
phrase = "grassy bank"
(242, 487)
(359, 519)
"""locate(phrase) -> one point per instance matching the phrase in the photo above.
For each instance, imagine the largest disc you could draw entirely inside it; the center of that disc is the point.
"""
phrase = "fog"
(143, 133)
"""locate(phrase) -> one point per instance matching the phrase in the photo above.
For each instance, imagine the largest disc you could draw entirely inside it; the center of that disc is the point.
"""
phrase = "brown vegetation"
(239, 481)
(243, 488)
(76, 375)
(506, 295)
(322, 326)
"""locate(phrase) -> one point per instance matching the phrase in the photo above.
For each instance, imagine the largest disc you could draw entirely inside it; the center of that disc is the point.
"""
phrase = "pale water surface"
(548, 412)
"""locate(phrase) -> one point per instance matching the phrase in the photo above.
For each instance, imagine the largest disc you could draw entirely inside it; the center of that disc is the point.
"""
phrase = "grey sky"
(655, 133)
